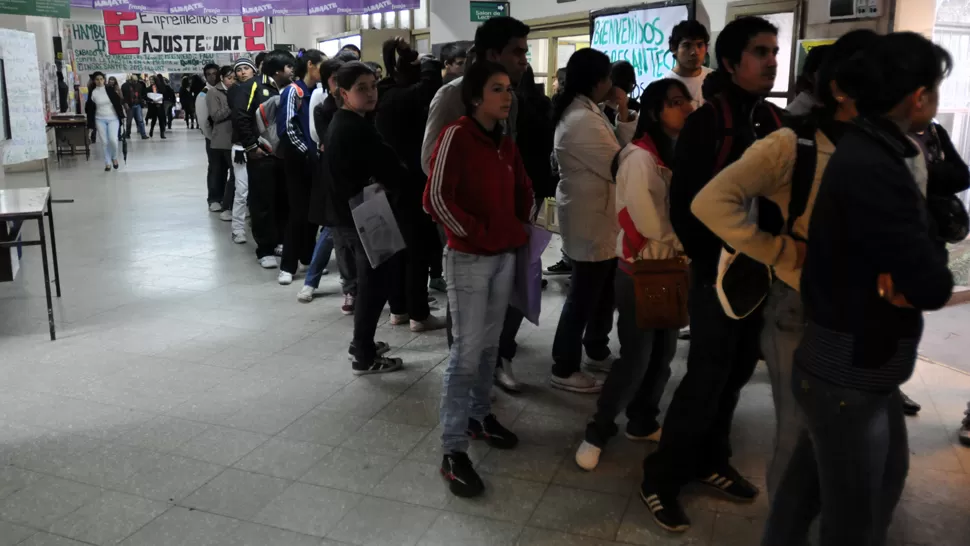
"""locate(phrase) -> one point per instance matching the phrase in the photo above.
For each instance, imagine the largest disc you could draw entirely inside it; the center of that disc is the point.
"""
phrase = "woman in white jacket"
(638, 378)
(585, 145)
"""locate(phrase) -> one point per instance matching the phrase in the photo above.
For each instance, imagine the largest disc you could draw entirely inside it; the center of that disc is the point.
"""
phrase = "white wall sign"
(639, 36)
(25, 100)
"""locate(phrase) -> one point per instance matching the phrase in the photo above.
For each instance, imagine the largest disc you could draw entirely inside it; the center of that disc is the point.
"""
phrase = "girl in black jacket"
(105, 113)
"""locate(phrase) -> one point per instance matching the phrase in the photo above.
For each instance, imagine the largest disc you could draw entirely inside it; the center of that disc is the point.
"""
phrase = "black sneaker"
(492, 432)
(665, 509)
(559, 268)
(381, 348)
(910, 407)
(732, 484)
(380, 364)
(461, 476)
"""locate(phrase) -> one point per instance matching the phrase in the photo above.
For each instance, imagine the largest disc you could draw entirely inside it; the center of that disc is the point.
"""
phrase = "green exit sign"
(483, 11)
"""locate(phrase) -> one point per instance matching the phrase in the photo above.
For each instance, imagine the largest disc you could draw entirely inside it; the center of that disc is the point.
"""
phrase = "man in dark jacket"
(695, 445)
(267, 198)
(402, 113)
(133, 92)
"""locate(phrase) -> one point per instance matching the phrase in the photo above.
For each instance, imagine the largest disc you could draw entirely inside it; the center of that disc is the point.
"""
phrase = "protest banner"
(270, 8)
(640, 37)
(133, 42)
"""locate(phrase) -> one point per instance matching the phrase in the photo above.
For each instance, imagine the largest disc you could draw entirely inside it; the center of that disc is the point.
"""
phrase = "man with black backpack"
(695, 445)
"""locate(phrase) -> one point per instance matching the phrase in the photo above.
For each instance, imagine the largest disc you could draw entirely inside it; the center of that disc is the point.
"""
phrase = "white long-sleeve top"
(643, 205)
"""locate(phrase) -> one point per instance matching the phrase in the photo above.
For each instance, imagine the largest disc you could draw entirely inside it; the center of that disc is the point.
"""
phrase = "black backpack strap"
(803, 174)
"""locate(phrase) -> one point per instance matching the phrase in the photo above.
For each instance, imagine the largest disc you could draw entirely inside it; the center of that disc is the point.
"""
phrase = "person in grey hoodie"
(502, 40)
(219, 119)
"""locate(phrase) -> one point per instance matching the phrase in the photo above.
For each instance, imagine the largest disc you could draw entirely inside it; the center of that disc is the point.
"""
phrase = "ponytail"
(584, 71)
(560, 102)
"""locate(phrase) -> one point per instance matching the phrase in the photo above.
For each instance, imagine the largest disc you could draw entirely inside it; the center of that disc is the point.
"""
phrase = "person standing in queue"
(219, 118)
(479, 191)
(402, 113)
(356, 156)
(300, 158)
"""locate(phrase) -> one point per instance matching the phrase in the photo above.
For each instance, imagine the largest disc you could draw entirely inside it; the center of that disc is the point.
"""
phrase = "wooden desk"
(33, 204)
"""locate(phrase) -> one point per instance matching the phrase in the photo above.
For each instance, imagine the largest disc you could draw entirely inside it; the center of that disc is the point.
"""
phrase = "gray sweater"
(446, 108)
(217, 102)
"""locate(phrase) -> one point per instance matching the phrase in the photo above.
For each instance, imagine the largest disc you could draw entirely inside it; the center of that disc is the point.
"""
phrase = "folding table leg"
(47, 276)
(50, 219)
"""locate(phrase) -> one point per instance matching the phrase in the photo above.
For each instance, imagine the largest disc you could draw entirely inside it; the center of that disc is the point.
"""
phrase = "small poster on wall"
(23, 97)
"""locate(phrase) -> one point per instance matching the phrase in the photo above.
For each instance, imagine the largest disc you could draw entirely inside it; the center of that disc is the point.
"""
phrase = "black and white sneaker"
(665, 509)
(559, 268)
(732, 484)
(380, 364)
(492, 432)
(462, 479)
(382, 348)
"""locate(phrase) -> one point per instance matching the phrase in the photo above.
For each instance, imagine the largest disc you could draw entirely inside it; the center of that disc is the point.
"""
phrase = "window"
(421, 15)
(786, 28)
(377, 20)
(404, 18)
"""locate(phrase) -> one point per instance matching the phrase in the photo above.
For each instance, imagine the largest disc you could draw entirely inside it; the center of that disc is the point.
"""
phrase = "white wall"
(450, 18)
(305, 31)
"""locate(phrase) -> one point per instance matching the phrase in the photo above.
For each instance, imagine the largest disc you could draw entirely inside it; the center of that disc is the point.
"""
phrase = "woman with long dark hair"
(156, 108)
(105, 112)
(637, 379)
(770, 169)
(479, 191)
(300, 158)
(585, 145)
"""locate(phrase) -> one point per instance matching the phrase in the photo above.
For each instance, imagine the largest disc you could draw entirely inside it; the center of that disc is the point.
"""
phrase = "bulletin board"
(23, 98)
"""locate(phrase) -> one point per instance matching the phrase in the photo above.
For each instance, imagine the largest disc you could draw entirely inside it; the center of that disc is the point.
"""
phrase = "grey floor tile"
(526, 462)
(46, 539)
(13, 479)
(169, 478)
(379, 522)
(324, 427)
(107, 466)
(252, 534)
(461, 530)
(386, 438)
(619, 470)
(359, 399)
(182, 527)
(349, 470)
(109, 519)
(221, 445)
(506, 499)
(283, 458)
(532, 536)
(236, 494)
(46, 500)
(580, 512)
(563, 431)
(921, 523)
(163, 434)
(416, 483)
(308, 509)
(11, 534)
(732, 530)
(410, 410)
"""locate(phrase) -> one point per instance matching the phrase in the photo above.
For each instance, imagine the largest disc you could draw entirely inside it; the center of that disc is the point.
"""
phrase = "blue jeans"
(321, 257)
(479, 288)
(108, 134)
(849, 466)
(783, 330)
(135, 113)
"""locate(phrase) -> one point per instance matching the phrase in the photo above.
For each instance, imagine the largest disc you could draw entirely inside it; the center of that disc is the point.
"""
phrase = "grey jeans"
(783, 329)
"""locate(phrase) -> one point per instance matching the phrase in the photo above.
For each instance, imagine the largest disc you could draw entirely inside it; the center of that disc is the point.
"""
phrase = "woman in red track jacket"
(479, 191)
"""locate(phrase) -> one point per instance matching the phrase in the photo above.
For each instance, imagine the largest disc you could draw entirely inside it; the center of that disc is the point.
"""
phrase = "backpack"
(742, 282)
(266, 116)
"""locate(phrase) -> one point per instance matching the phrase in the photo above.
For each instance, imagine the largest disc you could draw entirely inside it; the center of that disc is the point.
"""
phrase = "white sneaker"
(578, 382)
(305, 295)
(278, 250)
(428, 324)
(588, 456)
(397, 320)
(505, 379)
(269, 262)
(285, 278)
(215, 207)
(301, 269)
(226, 216)
(239, 238)
(603, 366)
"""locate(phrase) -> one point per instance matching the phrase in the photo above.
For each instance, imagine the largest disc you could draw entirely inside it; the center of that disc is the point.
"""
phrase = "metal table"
(33, 204)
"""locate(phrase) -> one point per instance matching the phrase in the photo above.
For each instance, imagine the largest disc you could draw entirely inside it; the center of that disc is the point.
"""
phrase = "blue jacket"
(293, 116)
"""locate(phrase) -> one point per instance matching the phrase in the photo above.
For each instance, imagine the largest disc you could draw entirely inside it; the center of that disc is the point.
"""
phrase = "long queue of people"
(812, 241)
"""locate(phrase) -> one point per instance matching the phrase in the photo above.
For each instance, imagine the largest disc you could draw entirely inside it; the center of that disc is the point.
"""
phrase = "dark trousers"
(374, 287)
(587, 317)
(300, 235)
(638, 378)
(156, 114)
(169, 113)
(268, 206)
(850, 465)
(436, 250)
(346, 242)
(411, 282)
(219, 173)
(697, 428)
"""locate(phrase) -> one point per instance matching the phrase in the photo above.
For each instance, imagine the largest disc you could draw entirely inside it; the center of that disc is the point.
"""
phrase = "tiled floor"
(192, 401)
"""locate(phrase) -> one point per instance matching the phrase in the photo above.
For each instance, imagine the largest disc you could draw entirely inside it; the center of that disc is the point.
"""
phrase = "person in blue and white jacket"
(300, 157)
